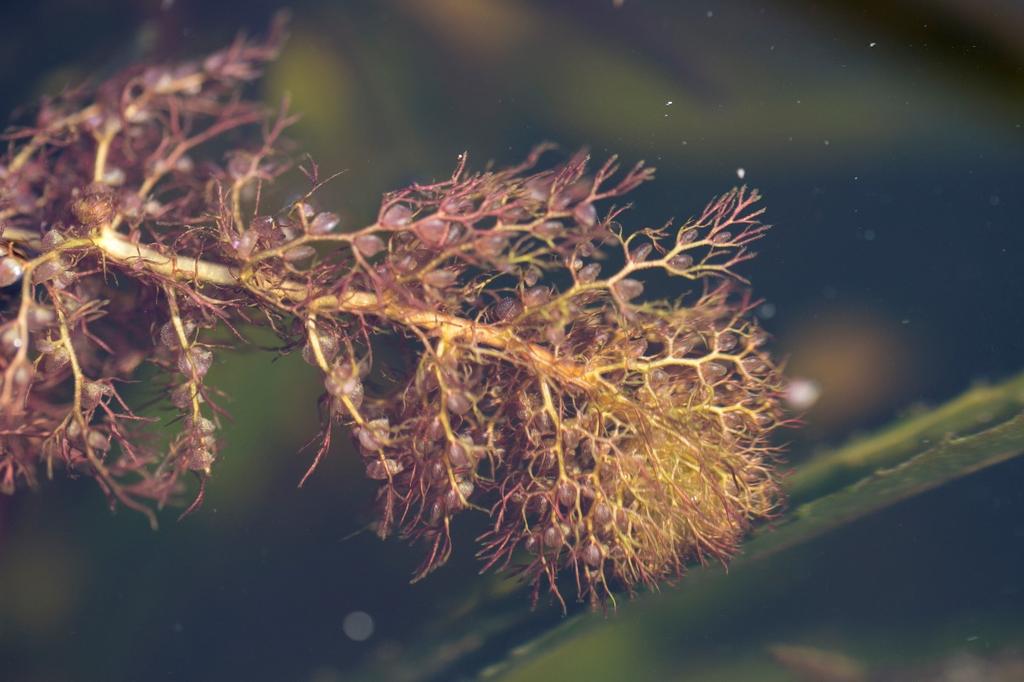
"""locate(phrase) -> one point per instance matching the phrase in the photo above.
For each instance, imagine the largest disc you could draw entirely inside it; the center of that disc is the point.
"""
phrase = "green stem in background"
(981, 406)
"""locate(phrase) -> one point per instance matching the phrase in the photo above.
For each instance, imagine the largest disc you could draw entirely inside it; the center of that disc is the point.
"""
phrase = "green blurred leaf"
(950, 459)
(980, 407)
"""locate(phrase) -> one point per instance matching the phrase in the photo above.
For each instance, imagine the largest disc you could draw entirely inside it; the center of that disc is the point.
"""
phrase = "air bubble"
(507, 308)
(549, 229)
(537, 295)
(458, 454)
(246, 244)
(628, 288)
(341, 381)
(299, 253)
(589, 273)
(329, 346)
(457, 402)
(114, 177)
(441, 278)
(680, 261)
(381, 469)
(262, 225)
(200, 425)
(11, 271)
(492, 245)
(368, 438)
(406, 263)
(47, 271)
(396, 215)
(585, 214)
(725, 342)
(52, 240)
(369, 245)
(169, 333)
(641, 253)
(324, 223)
(552, 537)
(713, 371)
(198, 360)
(753, 364)
(734, 421)
(432, 231)
(40, 316)
(97, 440)
(592, 556)
(555, 334)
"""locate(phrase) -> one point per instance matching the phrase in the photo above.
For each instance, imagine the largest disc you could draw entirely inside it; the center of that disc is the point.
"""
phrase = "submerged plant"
(609, 436)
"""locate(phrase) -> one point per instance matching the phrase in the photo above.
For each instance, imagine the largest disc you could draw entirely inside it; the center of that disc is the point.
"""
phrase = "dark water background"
(888, 140)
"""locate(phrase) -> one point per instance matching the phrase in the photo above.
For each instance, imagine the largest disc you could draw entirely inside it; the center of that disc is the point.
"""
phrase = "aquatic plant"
(609, 436)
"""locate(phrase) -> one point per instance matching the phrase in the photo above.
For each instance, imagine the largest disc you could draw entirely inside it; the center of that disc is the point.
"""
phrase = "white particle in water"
(741, 173)
(358, 626)
(801, 394)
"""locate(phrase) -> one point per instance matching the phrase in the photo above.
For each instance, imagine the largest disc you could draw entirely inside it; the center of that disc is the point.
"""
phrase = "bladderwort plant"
(611, 438)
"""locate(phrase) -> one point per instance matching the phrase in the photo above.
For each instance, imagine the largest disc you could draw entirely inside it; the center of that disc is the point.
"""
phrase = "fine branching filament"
(610, 436)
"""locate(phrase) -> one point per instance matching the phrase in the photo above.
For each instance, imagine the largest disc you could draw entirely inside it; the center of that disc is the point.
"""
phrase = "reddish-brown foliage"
(607, 435)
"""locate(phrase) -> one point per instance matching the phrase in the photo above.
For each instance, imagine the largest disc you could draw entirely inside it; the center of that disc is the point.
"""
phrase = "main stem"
(116, 247)
(190, 269)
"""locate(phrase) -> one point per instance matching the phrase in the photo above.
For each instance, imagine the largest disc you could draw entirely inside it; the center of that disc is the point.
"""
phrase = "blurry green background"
(888, 140)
